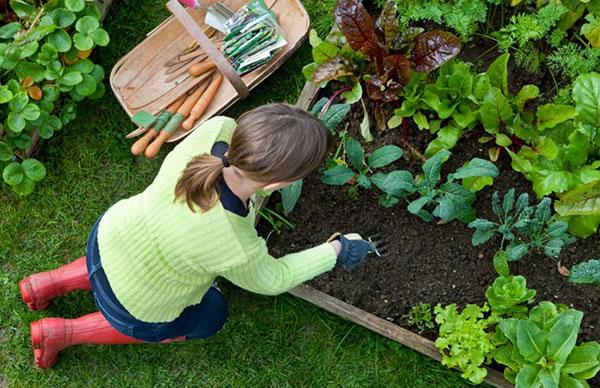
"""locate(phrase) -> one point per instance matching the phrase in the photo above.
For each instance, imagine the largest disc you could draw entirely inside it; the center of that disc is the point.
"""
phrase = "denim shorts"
(201, 320)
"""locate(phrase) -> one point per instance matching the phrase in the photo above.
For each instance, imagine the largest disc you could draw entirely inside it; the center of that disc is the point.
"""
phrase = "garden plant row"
(496, 147)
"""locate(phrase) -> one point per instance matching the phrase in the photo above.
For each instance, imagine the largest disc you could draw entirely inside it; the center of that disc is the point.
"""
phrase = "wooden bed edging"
(382, 327)
(364, 318)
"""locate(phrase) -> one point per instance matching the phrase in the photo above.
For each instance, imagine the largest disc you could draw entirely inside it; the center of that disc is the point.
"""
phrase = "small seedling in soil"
(276, 219)
(523, 227)
(419, 316)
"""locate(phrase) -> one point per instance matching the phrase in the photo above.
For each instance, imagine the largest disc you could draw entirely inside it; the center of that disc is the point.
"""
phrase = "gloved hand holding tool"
(354, 248)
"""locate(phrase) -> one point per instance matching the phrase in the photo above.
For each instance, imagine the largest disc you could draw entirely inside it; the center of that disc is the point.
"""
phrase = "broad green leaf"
(61, 40)
(75, 5)
(464, 116)
(13, 174)
(100, 37)
(570, 382)
(583, 226)
(338, 175)
(353, 95)
(584, 361)
(544, 315)
(19, 102)
(355, 153)
(503, 140)
(365, 125)
(547, 147)
(324, 52)
(25, 187)
(421, 121)
(82, 42)
(63, 17)
(529, 376)
(22, 8)
(71, 78)
(477, 183)
(16, 122)
(415, 206)
(498, 73)
(334, 115)
(290, 195)
(526, 93)
(584, 200)
(100, 90)
(30, 69)
(385, 155)
(481, 87)
(8, 30)
(98, 73)
(31, 112)
(396, 183)
(6, 152)
(87, 86)
(531, 341)
(454, 202)
(5, 94)
(84, 66)
(495, 111)
(50, 93)
(550, 115)
(433, 166)
(515, 252)
(509, 328)
(87, 24)
(586, 272)
(446, 139)
(591, 30)
(563, 335)
(475, 168)
(309, 70)
(313, 38)
(34, 169)
(586, 93)
(500, 262)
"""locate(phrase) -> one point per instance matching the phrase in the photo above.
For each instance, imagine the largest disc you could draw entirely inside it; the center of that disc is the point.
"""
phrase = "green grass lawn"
(267, 341)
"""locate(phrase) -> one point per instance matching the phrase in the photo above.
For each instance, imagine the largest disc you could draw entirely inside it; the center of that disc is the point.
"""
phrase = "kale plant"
(586, 272)
(523, 227)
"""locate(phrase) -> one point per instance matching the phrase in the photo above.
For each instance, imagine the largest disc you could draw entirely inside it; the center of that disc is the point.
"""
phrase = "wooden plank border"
(361, 317)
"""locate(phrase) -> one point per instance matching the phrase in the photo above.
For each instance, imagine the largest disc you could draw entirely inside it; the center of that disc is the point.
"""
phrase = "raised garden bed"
(430, 262)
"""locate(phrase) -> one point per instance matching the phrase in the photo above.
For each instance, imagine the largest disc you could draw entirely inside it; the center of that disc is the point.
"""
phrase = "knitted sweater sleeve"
(263, 274)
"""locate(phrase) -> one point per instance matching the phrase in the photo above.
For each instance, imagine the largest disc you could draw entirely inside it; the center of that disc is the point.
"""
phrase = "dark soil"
(432, 263)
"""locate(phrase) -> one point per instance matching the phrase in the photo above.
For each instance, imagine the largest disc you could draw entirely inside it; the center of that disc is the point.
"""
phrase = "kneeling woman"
(151, 259)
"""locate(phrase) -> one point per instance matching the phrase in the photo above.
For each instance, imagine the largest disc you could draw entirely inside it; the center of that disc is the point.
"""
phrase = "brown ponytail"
(271, 143)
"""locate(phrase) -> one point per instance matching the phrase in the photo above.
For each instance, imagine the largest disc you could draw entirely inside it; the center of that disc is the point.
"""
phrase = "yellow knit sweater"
(160, 257)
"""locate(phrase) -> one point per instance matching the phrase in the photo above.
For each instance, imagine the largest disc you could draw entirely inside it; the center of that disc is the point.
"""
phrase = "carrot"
(140, 145)
(203, 102)
(183, 111)
(200, 68)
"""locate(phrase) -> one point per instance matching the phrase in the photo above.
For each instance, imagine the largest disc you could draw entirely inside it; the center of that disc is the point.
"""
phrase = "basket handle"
(220, 61)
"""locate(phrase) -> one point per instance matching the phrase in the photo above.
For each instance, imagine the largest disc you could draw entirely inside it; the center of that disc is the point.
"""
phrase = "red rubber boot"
(51, 335)
(38, 290)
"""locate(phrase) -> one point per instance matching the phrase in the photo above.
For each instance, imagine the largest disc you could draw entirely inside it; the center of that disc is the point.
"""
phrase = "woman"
(151, 259)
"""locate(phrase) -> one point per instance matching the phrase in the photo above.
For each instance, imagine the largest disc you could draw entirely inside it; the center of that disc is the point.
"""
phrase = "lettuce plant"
(541, 351)
(507, 295)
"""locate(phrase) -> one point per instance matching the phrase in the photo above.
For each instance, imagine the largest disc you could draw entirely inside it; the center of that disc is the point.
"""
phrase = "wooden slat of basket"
(294, 22)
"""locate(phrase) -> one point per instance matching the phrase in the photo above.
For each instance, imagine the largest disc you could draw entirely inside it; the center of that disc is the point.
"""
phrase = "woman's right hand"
(353, 250)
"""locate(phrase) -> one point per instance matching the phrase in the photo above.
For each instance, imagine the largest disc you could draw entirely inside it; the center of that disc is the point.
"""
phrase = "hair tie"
(224, 161)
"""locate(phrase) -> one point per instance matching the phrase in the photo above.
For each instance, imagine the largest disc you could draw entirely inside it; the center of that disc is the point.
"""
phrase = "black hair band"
(225, 161)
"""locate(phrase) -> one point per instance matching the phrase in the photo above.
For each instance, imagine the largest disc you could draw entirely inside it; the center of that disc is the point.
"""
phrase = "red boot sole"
(27, 296)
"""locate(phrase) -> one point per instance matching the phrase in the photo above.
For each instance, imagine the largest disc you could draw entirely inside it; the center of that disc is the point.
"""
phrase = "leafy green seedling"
(523, 227)
(507, 295)
(419, 316)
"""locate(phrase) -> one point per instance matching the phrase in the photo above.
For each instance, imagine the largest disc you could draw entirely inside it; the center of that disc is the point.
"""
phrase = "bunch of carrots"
(184, 111)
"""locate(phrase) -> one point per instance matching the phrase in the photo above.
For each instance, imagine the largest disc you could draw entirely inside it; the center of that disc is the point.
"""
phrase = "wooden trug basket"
(138, 79)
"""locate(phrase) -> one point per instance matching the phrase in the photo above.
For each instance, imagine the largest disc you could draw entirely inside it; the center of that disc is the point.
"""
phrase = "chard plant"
(44, 50)
(376, 56)
(449, 200)
(522, 228)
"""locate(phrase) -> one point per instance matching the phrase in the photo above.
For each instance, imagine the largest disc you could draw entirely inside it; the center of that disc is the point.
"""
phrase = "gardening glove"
(354, 249)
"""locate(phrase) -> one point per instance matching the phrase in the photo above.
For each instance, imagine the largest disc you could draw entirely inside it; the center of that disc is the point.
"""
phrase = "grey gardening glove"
(354, 250)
